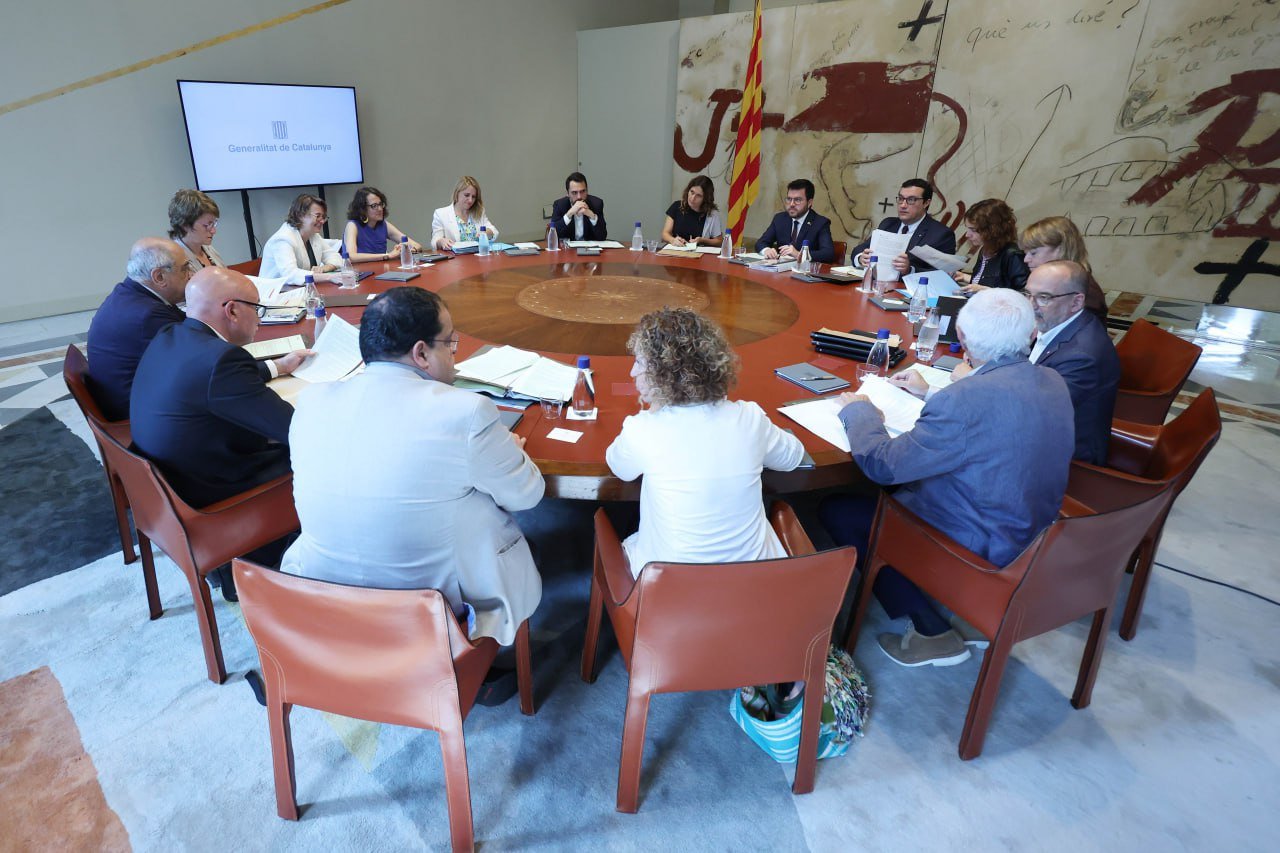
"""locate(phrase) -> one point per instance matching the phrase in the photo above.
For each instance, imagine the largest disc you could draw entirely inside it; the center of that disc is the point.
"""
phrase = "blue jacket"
(987, 461)
(816, 229)
(202, 411)
(930, 232)
(129, 318)
(1084, 356)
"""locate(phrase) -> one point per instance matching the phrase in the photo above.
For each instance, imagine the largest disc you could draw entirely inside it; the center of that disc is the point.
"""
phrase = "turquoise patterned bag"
(844, 714)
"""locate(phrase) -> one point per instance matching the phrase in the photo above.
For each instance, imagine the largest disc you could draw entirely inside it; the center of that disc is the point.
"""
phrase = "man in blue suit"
(1074, 342)
(986, 464)
(913, 219)
(144, 303)
(200, 406)
(798, 224)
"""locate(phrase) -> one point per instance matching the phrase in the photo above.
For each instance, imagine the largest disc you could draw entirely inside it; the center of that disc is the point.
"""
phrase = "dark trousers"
(848, 519)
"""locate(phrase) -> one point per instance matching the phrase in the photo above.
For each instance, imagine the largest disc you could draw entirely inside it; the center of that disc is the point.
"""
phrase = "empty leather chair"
(387, 655)
(1154, 365)
(198, 540)
(699, 627)
(75, 372)
(1071, 569)
(1147, 459)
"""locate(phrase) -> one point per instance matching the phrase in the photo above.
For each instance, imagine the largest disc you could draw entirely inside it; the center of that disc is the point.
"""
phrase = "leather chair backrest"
(708, 627)
(252, 267)
(1078, 564)
(1154, 360)
(373, 654)
(154, 513)
(1185, 441)
(75, 372)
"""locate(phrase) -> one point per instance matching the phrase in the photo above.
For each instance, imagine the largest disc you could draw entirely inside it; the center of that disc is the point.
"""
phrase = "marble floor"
(1180, 749)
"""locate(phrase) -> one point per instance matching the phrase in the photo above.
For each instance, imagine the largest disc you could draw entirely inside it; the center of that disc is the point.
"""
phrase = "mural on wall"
(1153, 126)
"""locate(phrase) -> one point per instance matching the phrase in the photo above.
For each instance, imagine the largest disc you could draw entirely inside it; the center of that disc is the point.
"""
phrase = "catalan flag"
(745, 185)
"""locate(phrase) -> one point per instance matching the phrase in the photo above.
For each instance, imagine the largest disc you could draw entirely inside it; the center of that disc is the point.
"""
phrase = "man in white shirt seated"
(404, 482)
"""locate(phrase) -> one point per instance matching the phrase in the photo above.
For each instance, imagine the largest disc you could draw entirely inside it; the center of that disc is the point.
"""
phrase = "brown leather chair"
(388, 655)
(75, 370)
(1154, 365)
(1070, 570)
(198, 540)
(703, 628)
(1145, 460)
(248, 267)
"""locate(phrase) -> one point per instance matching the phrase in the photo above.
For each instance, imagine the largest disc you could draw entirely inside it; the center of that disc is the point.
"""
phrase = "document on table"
(262, 350)
(337, 353)
(939, 282)
(935, 377)
(708, 250)
(822, 418)
(673, 251)
(900, 408)
(593, 244)
(546, 380)
(271, 292)
(497, 366)
(940, 260)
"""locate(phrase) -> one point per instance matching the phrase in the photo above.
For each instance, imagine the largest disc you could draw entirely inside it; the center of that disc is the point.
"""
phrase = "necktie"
(904, 230)
(795, 231)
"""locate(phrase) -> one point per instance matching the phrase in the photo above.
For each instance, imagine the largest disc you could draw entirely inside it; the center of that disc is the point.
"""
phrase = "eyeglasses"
(262, 309)
(452, 341)
(1043, 299)
(377, 205)
(319, 217)
(210, 225)
(910, 199)
(796, 199)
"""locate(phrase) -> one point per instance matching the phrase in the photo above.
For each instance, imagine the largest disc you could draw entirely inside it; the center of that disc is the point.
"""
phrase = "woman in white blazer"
(286, 254)
(462, 220)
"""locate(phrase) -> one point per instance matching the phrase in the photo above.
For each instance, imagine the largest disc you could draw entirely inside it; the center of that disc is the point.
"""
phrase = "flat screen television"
(246, 136)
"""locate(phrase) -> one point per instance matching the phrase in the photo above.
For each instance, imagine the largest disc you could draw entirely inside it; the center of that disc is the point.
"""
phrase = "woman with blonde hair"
(193, 220)
(462, 220)
(1057, 238)
(701, 454)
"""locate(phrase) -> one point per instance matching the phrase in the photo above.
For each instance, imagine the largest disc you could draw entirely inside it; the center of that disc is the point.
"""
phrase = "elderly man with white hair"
(986, 464)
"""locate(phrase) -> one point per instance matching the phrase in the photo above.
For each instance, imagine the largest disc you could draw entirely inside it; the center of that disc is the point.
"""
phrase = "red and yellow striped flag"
(745, 185)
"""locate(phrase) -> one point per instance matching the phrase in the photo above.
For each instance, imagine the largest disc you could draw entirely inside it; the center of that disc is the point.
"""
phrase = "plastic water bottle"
(583, 402)
(806, 262)
(927, 340)
(553, 237)
(310, 296)
(869, 277)
(637, 240)
(406, 254)
(347, 272)
(879, 355)
(726, 245)
(919, 301)
(484, 242)
(320, 316)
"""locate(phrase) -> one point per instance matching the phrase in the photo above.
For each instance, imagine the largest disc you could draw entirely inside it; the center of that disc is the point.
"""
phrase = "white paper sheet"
(271, 292)
(935, 377)
(566, 435)
(940, 283)
(886, 245)
(547, 380)
(901, 409)
(528, 246)
(593, 244)
(275, 348)
(337, 353)
(709, 250)
(497, 366)
(822, 418)
(940, 261)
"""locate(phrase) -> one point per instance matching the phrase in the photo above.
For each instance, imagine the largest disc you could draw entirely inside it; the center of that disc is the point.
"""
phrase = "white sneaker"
(971, 635)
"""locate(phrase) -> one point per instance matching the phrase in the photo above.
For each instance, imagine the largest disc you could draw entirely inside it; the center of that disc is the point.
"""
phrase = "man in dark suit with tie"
(913, 218)
(1074, 342)
(578, 215)
(145, 302)
(798, 224)
(200, 406)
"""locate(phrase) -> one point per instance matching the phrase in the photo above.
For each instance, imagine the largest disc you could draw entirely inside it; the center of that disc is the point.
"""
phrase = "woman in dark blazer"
(992, 230)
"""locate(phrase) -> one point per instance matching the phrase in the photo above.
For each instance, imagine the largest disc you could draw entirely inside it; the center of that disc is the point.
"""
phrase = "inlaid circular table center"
(607, 298)
(592, 308)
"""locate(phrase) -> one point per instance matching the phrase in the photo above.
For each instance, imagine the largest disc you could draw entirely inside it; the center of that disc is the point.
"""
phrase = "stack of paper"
(674, 251)
(337, 353)
(773, 264)
(900, 408)
(593, 244)
(935, 377)
(509, 370)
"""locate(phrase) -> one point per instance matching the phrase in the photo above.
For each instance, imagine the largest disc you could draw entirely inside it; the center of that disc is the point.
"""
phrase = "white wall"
(626, 110)
(445, 87)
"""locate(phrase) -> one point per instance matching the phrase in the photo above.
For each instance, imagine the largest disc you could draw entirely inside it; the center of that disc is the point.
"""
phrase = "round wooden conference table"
(563, 305)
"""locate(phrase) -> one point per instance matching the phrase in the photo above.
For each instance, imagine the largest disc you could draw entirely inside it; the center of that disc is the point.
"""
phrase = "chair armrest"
(790, 531)
(1131, 446)
(615, 571)
(239, 524)
(1106, 489)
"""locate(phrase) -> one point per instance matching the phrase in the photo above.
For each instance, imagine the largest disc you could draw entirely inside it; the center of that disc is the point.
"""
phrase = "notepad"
(515, 371)
(264, 350)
